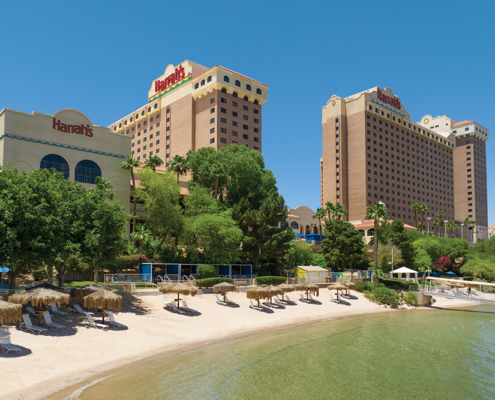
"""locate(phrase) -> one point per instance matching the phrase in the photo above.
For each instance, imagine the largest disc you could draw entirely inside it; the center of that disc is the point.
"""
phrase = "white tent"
(404, 270)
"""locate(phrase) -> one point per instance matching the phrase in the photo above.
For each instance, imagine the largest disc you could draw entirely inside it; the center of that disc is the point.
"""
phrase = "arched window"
(234, 94)
(246, 98)
(308, 230)
(226, 78)
(237, 83)
(284, 224)
(87, 171)
(56, 162)
(258, 91)
(196, 86)
(203, 82)
(224, 90)
(294, 225)
(248, 87)
(209, 79)
(256, 102)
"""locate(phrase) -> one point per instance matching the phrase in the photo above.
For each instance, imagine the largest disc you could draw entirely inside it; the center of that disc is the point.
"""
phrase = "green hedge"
(39, 274)
(383, 295)
(362, 286)
(397, 284)
(209, 282)
(270, 280)
(207, 271)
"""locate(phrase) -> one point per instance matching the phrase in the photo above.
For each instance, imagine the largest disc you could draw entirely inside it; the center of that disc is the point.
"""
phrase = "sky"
(101, 57)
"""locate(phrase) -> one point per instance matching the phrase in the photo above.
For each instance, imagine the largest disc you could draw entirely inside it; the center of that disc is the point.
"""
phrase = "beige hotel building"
(191, 106)
(372, 151)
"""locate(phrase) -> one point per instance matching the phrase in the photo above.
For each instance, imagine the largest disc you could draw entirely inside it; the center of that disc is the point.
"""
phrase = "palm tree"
(319, 215)
(104, 185)
(474, 224)
(466, 223)
(330, 208)
(415, 207)
(443, 229)
(457, 230)
(153, 162)
(141, 234)
(376, 213)
(423, 208)
(178, 164)
(129, 164)
(340, 211)
(440, 216)
(435, 225)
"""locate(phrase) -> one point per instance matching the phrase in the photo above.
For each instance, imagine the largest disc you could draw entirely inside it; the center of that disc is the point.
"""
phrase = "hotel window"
(114, 128)
(235, 94)
(157, 142)
(151, 119)
(223, 100)
(223, 140)
(87, 171)
(127, 131)
(168, 110)
(223, 120)
(245, 127)
(234, 142)
(212, 100)
(139, 158)
(203, 82)
(234, 123)
(132, 145)
(224, 90)
(139, 142)
(234, 104)
(157, 124)
(132, 153)
(212, 120)
(149, 109)
(248, 87)
(167, 156)
(256, 130)
(167, 138)
(56, 162)
(234, 113)
(223, 130)
(258, 91)
(256, 111)
(168, 128)
(223, 110)
(245, 137)
(237, 83)
(256, 139)
(157, 151)
(226, 79)
(212, 130)
(156, 105)
(256, 102)
(246, 98)
(157, 133)
(255, 148)
(234, 133)
(144, 147)
(145, 131)
(212, 110)
(212, 140)
(209, 79)
(168, 146)
(245, 117)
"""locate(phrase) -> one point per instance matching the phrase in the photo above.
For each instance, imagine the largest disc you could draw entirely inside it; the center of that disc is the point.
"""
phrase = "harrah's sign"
(78, 129)
(393, 101)
(170, 80)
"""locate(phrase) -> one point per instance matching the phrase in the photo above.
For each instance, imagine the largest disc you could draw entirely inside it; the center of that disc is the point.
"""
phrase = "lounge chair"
(175, 308)
(311, 298)
(255, 307)
(277, 302)
(221, 302)
(56, 311)
(185, 307)
(166, 301)
(50, 323)
(79, 310)
(280, 300)
(31, 311)
(111, 320)
(288, 300)
(303, 299)
(91, 322)
(5, 342)
(332, 299)
(28, 325)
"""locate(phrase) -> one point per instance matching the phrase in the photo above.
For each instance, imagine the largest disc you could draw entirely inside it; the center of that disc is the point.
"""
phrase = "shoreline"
(63, 385)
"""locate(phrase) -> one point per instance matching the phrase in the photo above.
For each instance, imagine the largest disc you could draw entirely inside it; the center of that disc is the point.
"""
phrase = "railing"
(459, 293)
(127, 278)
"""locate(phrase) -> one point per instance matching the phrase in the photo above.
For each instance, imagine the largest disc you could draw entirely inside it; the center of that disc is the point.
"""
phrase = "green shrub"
(39, 274)
(468, 278)
(207, 271)
(362, 286)
(270, 280)
(411, 299)
(209, 282)
(383, 295)
(397, 284)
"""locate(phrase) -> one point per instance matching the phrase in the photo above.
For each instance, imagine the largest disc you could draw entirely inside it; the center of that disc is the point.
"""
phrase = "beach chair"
(277, 302)
(111, 320)
(50, 323)
(311, 298)
(254, 306)
(288, 300)
(91, 322)
(5, 342)
(31, 311)
(332, 299)
(175, 308)
(303, 299)
(56, 311)
(227, 299)
(28, 325)
(280, 300)
(221, 302)
(166, 301)
(185, 307)
(79, 310)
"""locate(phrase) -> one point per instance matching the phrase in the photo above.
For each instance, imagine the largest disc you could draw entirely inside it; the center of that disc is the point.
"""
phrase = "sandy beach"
(56, 360)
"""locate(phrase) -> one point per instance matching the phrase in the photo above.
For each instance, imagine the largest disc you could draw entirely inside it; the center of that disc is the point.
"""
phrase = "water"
(406, 355)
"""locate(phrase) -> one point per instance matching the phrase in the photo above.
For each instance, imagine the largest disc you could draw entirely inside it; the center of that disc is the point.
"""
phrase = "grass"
(78, 284)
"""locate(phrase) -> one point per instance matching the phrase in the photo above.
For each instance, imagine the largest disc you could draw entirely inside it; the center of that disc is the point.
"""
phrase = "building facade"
(191, 106)
(68, 142)
(372, 151)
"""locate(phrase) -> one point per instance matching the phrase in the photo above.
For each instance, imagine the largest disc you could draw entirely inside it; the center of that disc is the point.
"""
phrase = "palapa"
(285, 288)
(104, 300)
(40, 297)
(309, 288)
(338, 286)
(83, 291)
(180, 288)
(257, 293)
(274, 291)
(10, 313)
(455, 284)
(350, 285)
(223, 288)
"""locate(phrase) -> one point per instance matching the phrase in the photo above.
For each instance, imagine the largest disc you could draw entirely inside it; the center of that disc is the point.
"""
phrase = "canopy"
(350, 285)
(10, 313)
(179, 288)
(83, 291)
(257, 293)
(403, 270)
(104, 299)
(450, 273)
(4, 269)
(224, 287)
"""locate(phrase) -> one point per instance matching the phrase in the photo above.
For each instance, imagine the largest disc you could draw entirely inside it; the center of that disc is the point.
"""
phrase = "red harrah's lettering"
(79, 129)
(170, 80)
(393, 101)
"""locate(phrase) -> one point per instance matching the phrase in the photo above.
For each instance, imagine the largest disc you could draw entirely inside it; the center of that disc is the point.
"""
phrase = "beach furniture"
(221, 302)
(5, 342)
(103, 300)
(185, 307)
(281, 301)
(222, 288)
(303, 299)
(79, 310)
(332, 299)
(28, 325)
(56, 311)
(31, 311)
(287, 299)
(166, 301)
(175, 308)
(255, 307)
(111, 320)
(277, 302)
(50, 323)
(311, 298)
(91, 322)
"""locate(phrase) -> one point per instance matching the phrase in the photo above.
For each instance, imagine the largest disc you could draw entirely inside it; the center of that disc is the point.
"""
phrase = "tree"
(179, 165)
(129, 164)
(423, 262)
(423, 208)
(319, 215)
(105, 186)
(377, 214)
(466, 223)
(435, 224)
(399, 237)
(140, 235)
(385, 258)
(342, 243)
(415, 207)
(340, 211)
(302, 253)
(153, 162)
(440, 216)
(330, 207)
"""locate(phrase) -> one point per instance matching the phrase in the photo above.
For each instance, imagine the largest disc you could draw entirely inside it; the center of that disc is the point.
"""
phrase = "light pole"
(461, 229)
(428, 222)
(445, 232)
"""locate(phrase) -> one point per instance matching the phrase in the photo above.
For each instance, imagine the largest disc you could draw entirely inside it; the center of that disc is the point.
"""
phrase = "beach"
(59, 359)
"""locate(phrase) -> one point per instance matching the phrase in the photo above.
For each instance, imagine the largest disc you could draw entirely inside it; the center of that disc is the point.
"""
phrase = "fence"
(127, 278)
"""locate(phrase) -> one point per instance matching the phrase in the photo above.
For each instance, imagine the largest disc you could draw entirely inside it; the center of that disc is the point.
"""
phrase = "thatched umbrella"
(273, 291)
(338, 286)
(257, 293)
(309, 288)
(104, 300)
(179, 288)
(10, 313)
(83, 291)
(285, 288)
(39, 297)
(223, 288)
(350, 285)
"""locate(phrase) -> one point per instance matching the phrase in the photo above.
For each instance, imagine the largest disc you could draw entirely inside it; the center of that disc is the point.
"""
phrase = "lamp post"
(445, 232)
(428, 222)
(461, 229)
